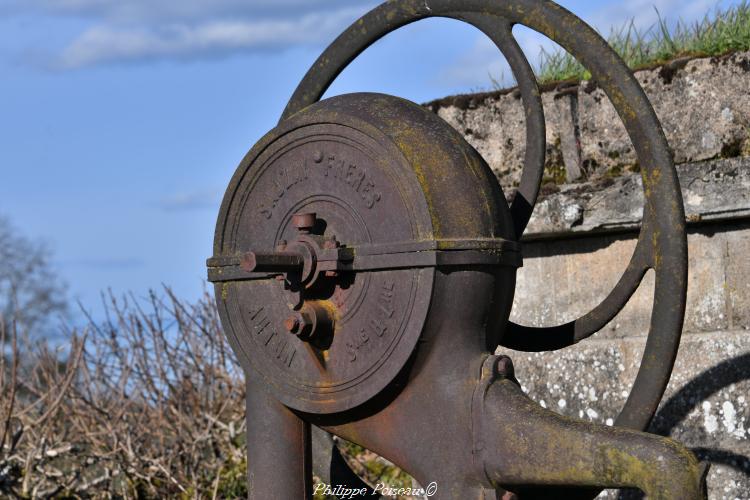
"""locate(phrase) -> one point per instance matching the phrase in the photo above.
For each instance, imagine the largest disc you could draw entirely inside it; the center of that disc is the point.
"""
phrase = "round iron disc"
(363, 190)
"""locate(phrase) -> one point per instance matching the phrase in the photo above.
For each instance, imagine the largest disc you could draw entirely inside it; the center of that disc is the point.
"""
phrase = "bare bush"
(147, 404)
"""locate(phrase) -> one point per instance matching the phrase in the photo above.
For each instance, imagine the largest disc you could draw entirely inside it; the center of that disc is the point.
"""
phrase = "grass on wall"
(719, 32)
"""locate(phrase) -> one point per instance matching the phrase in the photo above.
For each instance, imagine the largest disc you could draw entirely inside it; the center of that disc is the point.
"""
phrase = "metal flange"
(330, 236)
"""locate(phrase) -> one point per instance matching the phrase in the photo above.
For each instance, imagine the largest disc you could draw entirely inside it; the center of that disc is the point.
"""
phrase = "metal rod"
(278, 446)
(271, 262)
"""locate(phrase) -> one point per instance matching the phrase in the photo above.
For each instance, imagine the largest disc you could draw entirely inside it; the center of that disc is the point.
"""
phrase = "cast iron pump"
(364, 266)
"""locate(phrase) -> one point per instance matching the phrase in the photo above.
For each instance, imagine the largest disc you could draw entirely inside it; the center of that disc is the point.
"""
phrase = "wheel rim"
(662, 244)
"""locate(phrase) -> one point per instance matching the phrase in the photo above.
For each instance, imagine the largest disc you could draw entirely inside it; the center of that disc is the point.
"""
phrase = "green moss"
(554, 173)
(635, 168)
(615, 171)
(233, 480)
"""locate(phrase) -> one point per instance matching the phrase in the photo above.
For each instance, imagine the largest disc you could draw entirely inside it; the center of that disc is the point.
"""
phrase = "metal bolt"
(504, 367)
(280, 248)
(331, 243)
(300, 324)
(270, 262)
(292, 324)
(304, 222)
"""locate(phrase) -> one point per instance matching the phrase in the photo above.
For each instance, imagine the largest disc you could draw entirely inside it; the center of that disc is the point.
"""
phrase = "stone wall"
(580, 240)
(583, 233)
(568, 272)
(703, 105)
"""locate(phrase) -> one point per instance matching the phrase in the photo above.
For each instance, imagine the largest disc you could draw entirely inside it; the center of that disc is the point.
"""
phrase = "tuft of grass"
(721, 32)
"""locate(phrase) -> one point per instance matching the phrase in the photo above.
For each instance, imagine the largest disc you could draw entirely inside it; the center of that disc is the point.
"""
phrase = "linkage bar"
(404, 255)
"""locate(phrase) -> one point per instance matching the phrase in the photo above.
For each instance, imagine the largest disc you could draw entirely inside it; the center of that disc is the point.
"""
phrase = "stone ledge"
(713, 191)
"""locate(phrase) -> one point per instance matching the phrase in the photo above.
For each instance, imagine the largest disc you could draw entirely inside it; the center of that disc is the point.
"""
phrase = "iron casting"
(364, 267)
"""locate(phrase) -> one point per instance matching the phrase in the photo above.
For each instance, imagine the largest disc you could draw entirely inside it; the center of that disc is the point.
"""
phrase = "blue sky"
(121, 121)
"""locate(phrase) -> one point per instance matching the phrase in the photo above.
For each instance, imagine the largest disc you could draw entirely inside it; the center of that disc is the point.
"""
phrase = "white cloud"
(107, 43)
(174, 10)
(136, 30)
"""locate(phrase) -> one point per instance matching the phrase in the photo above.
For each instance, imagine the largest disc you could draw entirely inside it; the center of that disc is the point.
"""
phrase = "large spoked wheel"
(662, 244)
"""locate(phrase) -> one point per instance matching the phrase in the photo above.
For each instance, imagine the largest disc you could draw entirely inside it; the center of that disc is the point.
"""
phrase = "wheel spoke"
(497, 29)
(537, 339)
(501, 33)
(663, 207)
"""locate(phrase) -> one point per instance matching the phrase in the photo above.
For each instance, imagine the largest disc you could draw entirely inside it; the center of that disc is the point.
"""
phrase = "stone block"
(738, 276)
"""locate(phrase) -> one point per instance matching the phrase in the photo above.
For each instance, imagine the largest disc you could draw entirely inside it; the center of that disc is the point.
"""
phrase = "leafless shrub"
(147, 404)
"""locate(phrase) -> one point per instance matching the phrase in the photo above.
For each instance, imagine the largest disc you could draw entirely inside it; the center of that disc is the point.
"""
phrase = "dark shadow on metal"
(342, 474)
